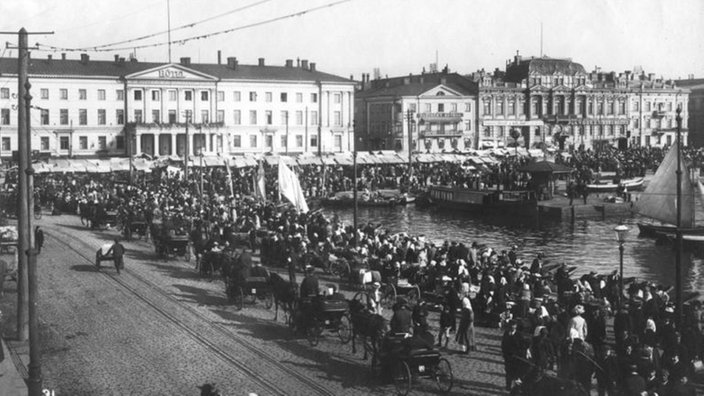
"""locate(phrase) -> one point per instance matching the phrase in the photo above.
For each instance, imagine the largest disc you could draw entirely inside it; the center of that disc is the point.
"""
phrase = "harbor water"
(588, 244)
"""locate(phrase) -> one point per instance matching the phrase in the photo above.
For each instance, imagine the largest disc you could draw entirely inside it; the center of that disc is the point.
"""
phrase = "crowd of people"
(552, 321)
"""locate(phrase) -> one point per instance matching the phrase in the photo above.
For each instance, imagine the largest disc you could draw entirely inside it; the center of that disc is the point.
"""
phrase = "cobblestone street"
(159, 329)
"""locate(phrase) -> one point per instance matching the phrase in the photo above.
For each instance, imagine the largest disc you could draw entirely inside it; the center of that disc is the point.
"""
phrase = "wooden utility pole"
(27, 285)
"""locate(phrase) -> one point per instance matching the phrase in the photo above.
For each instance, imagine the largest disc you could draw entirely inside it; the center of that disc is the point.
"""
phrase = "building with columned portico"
(86, 108)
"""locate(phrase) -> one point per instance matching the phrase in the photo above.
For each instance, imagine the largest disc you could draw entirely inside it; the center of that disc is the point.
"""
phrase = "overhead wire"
(188, 25)
(44, 47)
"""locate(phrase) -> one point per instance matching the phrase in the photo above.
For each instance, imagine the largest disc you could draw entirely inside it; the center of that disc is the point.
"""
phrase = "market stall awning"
(308, 160)
(142, 164)
(343, 158)
(119, 164)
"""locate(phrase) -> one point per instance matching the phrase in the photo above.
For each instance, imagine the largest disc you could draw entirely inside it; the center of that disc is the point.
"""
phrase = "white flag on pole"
(290, 188)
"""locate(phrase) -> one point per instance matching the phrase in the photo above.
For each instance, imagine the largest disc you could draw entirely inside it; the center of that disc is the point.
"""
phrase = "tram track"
(255, 362)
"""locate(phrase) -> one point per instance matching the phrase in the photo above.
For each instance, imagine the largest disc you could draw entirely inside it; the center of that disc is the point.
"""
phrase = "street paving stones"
(158, 329)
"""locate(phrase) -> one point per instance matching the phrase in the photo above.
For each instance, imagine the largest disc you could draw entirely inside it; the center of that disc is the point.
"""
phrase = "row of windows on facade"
(299, 118)
(440, 107)
(428, 143)
(173, 96)
(439, 128)
(559, 107)
(590, 130)
(64, 142)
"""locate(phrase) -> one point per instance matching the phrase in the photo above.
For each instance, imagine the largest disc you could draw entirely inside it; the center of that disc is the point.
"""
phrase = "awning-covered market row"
(477, 157)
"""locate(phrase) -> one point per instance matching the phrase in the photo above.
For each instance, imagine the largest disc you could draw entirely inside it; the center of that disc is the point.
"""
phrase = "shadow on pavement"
(329, 366)
(199, 296)
(86, 268)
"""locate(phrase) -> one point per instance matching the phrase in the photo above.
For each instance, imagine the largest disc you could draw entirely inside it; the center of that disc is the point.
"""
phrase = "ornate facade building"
(695, 109)
(84, 108)
(430, 112)
(547, 102)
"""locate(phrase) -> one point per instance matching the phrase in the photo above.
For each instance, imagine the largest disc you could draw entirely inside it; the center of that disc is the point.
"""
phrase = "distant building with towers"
(549, 102)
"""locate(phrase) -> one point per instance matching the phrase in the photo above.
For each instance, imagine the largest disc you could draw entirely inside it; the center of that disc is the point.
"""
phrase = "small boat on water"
(521, 203)
(378, 198)
(629, 184)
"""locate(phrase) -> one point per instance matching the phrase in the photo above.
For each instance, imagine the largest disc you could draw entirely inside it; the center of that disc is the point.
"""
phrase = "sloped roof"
(690, 83)
(412, 85)
(542, 66)
(102, 68)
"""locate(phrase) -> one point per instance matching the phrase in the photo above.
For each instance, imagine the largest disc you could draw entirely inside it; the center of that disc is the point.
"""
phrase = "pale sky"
(397, 36)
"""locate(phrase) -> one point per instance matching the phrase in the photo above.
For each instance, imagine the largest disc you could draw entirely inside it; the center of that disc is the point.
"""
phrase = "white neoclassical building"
(86, 108)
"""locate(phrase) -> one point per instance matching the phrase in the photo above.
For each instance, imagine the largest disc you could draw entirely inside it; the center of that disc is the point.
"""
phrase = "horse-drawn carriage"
(170, 240)
(102, 255)
(130, 227)
(97, 215)
(317, 314)
(251, 289)
(401, 361)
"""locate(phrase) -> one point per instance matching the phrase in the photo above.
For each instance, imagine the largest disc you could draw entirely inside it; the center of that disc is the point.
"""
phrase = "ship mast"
(678, 232)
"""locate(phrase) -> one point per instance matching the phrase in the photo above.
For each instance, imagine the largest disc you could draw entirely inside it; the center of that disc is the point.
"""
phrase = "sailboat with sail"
(659, 200)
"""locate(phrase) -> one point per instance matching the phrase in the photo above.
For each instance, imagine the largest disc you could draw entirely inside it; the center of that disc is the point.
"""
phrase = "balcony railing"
(659, 114)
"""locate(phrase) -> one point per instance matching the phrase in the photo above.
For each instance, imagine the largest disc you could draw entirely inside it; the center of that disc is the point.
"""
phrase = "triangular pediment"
(172, 71)
(441, 90)
(560, 88)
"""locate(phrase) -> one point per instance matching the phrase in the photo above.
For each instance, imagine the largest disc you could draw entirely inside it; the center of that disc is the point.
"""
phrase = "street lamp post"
(621, 233)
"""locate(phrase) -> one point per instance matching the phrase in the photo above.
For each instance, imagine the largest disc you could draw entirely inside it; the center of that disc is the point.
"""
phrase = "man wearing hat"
(401, 321)
(310, 284)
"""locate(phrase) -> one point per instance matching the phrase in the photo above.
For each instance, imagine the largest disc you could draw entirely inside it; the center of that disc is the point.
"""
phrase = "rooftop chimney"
(312, 66)
(261, 61)
(232, 62)
(304, 63)
(117, 58)
(84, 58)
(63, 56)
(48, 56)
(219, 57)
(186, 61)
(298, 62)
(289, 62)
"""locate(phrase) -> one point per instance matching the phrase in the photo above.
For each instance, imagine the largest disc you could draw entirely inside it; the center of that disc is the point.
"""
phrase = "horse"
(365, 324)
(285, 293)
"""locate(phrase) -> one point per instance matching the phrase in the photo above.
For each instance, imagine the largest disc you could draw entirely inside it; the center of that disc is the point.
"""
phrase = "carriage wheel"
(344, 329)
(443, 376)
(388, 296)
(413, 295)
(402, 378)
(268, 299)
(313, 332)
